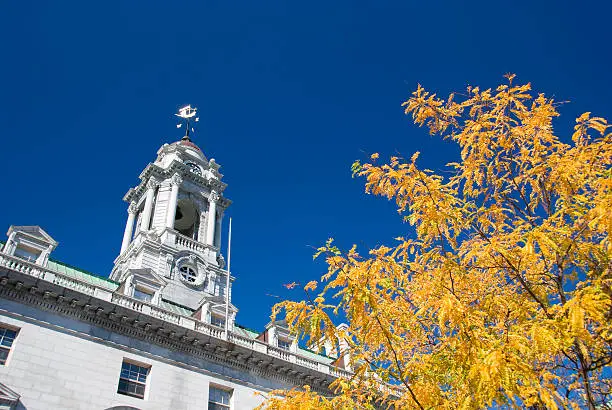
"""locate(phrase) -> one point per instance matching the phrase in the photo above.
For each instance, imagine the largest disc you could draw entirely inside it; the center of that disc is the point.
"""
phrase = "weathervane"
(187, 113)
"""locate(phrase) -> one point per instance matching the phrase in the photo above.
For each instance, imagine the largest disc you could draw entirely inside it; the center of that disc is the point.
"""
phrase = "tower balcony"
(175, 239)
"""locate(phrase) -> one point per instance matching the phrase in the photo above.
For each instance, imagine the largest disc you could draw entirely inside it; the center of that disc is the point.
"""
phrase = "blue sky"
(290, 94)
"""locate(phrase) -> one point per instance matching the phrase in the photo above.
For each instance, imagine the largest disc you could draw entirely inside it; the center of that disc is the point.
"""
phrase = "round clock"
(194, 168)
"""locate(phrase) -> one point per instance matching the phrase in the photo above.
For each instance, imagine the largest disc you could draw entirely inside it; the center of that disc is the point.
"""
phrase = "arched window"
(186, 218)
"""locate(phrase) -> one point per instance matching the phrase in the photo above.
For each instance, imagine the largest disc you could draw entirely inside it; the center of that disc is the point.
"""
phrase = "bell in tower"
(171, 248)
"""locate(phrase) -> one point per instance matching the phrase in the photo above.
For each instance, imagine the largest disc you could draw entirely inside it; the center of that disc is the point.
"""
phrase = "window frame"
(7, 348)
(143, 292)
(284, 344)
(133, 381)
(219, 405)
(219, 319)
(189, 275)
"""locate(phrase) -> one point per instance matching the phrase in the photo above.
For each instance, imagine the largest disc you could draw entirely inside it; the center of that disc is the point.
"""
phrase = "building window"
(133, 379)
(217, 321)
(219, 399)
(188, 273)
(7, 336)
(141, 295)
(28, 254)
(284, 344)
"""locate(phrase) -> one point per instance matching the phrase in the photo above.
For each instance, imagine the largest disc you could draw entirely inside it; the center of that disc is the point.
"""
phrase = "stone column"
(212, 217)
(176, 182)
(203, 224)
(44, 256)
(217, 241)
(148, 207)
(10, 244)
(232, 321)
(129, 226)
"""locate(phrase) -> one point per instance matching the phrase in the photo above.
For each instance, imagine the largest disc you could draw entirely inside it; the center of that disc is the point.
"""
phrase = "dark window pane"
(132, 381)
(216, 406)
(3, 355)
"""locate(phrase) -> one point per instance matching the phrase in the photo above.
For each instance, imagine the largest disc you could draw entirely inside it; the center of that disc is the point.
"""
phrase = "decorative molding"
(152, 183)
(177, 179)
(132, 208)
(155, 171)
(51, 290)
(120, 319)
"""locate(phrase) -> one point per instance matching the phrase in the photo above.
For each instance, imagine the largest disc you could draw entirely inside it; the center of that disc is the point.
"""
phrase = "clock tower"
(171, 248)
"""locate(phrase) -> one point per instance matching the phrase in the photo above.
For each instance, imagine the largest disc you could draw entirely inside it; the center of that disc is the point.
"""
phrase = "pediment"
(147, 275)
(8, 396)
(217, 302)
(33, 232)
(280, 324)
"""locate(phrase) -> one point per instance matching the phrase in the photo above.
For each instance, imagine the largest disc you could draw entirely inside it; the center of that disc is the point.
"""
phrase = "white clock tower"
(170, 252)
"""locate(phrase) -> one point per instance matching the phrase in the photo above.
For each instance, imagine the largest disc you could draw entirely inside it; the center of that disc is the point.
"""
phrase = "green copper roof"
(82, 275)
(111, 285)
(245, 332)
(174, 308)
(314, 356)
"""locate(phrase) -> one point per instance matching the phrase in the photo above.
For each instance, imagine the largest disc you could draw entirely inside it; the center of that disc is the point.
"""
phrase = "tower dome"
(186, 143)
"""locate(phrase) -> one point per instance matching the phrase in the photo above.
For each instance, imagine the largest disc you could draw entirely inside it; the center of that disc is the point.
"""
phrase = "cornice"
(176, 167)
(132, 318)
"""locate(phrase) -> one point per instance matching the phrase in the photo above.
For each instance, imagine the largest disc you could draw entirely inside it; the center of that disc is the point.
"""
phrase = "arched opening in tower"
(186, 219)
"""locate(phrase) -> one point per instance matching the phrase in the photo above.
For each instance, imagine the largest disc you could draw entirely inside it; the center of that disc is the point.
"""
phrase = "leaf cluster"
(502, 295)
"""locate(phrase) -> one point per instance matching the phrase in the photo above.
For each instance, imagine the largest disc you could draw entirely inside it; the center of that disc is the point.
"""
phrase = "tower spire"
(186, 114)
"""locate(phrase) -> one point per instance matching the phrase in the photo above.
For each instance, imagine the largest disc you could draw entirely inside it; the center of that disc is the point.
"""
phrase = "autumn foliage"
(500, 294)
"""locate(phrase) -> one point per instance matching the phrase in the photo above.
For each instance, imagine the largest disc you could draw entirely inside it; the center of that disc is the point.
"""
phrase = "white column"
(10, 243)
(203, 226)
(148, 207)
(176, 182)
(129, 226)
(212, 217)
(217, 241)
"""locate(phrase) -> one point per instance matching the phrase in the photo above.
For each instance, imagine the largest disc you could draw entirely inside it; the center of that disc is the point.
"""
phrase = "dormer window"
(142, 284)
(143, 295)
(30, 243)
(284, 344)
(218, 321)
(27, 253)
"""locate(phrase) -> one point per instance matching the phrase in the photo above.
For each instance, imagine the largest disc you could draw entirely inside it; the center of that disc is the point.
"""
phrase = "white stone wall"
(61, 363)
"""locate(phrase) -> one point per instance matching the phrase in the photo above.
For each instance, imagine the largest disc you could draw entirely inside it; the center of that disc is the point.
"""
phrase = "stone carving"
(132, 209)
(169, 260)
(214, 196)
(177, 179)
(221, 261)
(152, 183)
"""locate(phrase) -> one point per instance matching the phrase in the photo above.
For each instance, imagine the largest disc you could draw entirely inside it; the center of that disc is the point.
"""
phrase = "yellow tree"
(501, 295)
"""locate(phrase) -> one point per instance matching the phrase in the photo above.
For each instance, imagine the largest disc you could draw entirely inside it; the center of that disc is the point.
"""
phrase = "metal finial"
(187, 113)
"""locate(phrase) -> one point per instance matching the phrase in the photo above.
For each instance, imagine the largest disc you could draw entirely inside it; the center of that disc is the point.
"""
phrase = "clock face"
(194, 168)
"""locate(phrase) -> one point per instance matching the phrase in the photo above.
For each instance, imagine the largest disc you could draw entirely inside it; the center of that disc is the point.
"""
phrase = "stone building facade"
(160, 332)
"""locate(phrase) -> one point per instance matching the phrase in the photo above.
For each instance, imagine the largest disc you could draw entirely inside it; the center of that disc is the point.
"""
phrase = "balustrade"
(209, 329)
(31, 269)
(240, 340)
(165, 315)
(127, 302)
(189, 243)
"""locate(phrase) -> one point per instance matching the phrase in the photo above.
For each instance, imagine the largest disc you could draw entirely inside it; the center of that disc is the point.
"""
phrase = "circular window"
(188, 274)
